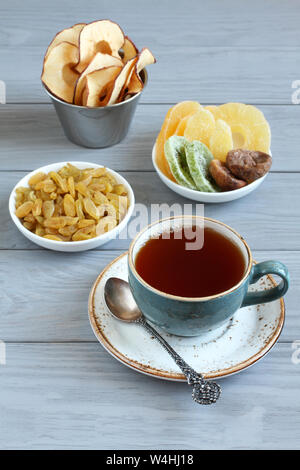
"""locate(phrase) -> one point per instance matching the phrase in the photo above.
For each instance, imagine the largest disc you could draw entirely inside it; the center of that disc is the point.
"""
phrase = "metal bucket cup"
(97, 127)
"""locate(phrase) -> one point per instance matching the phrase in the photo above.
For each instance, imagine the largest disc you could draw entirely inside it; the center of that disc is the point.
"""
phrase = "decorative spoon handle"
(204, 392)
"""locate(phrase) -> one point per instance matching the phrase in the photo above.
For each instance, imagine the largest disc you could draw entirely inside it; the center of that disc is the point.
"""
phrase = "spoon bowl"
(120, 301)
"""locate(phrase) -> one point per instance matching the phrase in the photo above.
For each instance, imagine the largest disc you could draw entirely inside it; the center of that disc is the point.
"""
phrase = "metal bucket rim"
(76, 106)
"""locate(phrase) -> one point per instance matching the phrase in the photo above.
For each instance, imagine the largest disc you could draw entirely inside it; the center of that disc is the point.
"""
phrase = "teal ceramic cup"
(184, 316)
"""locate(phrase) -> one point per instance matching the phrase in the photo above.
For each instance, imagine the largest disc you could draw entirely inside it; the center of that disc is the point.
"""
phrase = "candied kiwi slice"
(198, 158)
(175, 151)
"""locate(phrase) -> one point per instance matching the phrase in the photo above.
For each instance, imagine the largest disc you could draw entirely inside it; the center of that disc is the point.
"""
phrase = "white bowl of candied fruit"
(71, 206)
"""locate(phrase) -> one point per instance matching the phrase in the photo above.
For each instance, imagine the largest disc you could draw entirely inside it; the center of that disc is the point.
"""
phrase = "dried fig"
(223, 177)
(248, 165)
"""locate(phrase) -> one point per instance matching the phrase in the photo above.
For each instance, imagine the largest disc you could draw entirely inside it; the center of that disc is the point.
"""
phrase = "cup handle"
(274, 293)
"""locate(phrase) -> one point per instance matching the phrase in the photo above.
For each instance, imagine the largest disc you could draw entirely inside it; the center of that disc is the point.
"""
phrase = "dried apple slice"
(129, 50)
(145, 58)
(99, 85)
(100, 36)
(135, 84)
(66, 35)
(58, 73)
(99, 61)
(121, 80)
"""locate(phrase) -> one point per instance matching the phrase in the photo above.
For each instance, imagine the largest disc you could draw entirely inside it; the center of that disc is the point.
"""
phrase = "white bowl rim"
(193, 192)
(47, 168)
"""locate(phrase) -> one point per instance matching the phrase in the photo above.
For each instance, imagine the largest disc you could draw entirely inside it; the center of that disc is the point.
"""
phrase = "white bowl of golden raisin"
(71, 206)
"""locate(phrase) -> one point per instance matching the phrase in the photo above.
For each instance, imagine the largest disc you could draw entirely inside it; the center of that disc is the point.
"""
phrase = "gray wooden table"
(59, 388)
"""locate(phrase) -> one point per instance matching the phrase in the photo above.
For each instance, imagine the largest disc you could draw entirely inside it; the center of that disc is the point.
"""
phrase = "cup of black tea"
(190, 274)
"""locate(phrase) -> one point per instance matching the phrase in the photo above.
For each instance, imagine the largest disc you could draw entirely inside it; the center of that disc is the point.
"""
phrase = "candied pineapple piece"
(172, 119)
(250, 129)
(214, 110)
(181, 126)
(220, 141)
(200, 126)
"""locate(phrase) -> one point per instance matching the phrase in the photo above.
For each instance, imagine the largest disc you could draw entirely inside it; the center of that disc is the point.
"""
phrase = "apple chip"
(99, 61)
(121, 81)
(145, 58)
(77, 52)
(100, 36)
(98, 86)
(129, 49)
(58, 73)
(66, 35)
(135, 84)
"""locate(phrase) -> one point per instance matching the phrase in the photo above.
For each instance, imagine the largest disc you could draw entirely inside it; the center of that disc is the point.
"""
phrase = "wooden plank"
(31, 136)
(251, 74)
(44, 294)
(64, 396)
(266, 218)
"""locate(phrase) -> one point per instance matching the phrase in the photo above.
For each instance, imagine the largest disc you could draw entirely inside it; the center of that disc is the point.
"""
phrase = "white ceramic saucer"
(248, 336)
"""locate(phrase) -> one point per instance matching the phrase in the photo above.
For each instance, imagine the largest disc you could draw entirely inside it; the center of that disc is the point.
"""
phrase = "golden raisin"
(24, 209)
(69, 205)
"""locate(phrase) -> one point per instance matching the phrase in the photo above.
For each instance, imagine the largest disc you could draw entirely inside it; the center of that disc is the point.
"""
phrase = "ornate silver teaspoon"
(122, 306)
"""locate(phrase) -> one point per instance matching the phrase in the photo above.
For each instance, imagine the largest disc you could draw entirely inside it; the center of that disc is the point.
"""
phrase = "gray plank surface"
(45, 294)
(252, 74)
(58, 387)
(64, 396)
(31, 136)
(266, 217)
(209, 22)
(233, 53)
